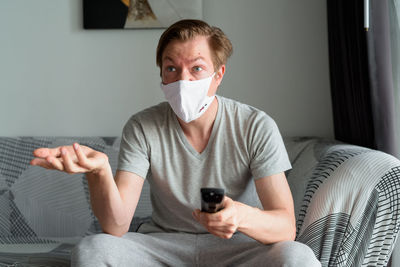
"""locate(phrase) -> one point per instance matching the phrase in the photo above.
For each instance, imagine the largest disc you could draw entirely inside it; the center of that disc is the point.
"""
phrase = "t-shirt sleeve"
(133, 153)
(267, 150)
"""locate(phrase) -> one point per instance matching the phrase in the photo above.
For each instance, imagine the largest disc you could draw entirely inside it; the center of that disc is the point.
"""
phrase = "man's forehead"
(197, 47)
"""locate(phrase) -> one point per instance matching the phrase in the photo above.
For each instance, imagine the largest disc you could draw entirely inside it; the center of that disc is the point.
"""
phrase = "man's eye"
(197, 68)
(170, 69)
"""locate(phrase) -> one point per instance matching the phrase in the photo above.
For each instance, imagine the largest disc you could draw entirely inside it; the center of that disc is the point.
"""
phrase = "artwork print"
(133, 14)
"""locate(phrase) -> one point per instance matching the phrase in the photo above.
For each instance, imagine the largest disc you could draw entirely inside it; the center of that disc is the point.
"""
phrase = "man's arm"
(276, 222)
(113, 201)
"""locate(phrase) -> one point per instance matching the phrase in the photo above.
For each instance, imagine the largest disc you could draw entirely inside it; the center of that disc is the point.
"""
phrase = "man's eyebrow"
(167, 58)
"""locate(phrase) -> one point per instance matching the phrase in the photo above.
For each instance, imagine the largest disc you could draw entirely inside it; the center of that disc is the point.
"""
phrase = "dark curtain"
(348, 62)
(380, 69)
(361, 74)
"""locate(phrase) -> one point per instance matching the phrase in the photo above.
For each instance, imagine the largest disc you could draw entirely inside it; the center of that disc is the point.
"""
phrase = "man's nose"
(185, 75)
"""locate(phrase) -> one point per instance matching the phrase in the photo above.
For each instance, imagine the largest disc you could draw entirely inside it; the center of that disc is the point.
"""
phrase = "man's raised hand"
(70, 159)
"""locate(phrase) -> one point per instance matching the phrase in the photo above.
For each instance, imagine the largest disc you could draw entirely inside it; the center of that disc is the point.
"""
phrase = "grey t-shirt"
(245, 144)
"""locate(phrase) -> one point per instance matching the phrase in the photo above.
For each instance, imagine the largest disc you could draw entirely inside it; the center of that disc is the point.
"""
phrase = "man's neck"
(201, 128)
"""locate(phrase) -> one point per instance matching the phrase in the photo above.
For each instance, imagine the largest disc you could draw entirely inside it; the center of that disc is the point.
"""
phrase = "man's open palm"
(70, 159)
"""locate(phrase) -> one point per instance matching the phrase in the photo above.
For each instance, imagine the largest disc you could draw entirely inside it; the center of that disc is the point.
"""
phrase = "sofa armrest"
(349, 214)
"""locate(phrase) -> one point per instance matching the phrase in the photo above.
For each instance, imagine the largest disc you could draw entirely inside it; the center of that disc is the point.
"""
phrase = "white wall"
(58, 79)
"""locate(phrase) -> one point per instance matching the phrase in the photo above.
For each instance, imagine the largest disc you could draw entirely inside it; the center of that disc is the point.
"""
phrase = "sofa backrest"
(38, 205)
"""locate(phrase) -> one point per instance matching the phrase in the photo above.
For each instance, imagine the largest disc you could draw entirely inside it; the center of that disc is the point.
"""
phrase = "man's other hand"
(70, 159)
(223, 223)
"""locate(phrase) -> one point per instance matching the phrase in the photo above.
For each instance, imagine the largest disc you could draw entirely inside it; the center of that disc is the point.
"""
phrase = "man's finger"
(67, 161)
(227, 212)
(69, 165)
(217, 216)
(55, 163)
(41, 163)
(45, 152)
(82, 159)
(220, 233)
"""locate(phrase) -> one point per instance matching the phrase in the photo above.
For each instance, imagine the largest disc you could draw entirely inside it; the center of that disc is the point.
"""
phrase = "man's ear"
(220, 74)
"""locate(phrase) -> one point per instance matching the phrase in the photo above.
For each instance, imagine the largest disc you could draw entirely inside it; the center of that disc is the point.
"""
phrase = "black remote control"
(211, 199)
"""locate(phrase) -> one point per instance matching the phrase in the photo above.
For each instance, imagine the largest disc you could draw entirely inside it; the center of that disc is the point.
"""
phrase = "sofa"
(346, 202)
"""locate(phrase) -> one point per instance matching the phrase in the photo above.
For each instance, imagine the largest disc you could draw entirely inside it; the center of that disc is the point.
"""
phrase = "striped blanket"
(347, 201)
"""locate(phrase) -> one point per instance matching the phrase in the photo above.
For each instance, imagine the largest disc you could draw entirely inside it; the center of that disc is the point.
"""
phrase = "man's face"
(190, 60)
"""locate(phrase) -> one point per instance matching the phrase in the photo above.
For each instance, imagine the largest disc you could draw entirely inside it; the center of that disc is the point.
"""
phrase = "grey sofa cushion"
(44, 213)
(41, 206)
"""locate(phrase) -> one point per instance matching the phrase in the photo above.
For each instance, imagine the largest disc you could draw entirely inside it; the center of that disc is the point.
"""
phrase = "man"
(195, 140)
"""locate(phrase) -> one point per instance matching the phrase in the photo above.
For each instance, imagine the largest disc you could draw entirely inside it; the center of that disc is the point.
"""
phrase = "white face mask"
(188, 99)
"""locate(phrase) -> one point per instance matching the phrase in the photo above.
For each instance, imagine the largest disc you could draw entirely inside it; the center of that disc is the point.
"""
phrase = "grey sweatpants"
(182, 249)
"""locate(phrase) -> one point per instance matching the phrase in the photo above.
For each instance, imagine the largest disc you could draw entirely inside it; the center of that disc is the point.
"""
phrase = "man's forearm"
(107, 204)
(266, 226)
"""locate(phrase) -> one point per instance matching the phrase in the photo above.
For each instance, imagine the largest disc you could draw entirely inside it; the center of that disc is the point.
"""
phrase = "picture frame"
(138, 14)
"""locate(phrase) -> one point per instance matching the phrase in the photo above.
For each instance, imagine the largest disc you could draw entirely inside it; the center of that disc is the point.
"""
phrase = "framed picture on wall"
(134, 14)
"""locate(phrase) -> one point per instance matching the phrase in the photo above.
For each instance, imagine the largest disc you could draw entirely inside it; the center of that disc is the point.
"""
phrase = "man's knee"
(95, 250)
(292, 253)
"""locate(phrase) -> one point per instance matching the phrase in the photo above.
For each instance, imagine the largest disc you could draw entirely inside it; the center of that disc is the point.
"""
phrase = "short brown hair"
(183, 30)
